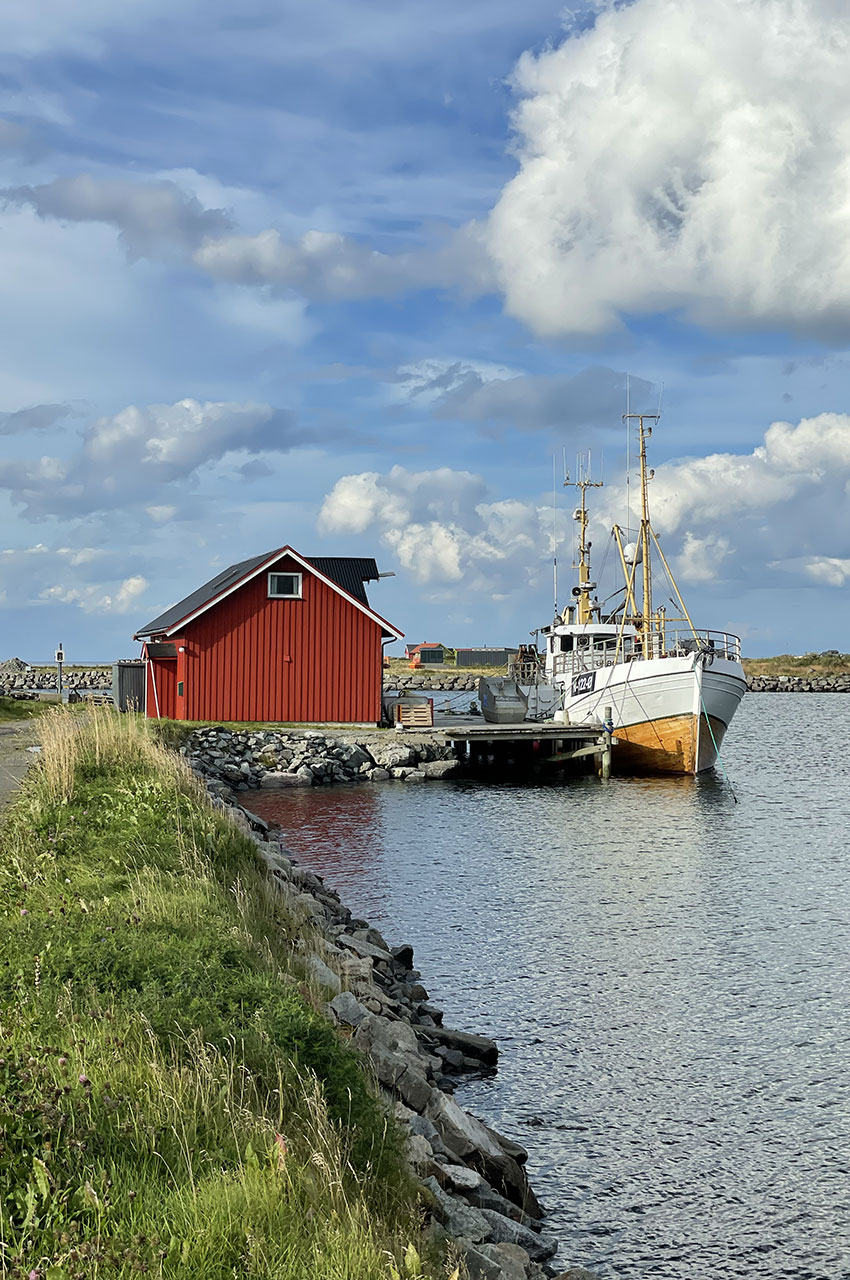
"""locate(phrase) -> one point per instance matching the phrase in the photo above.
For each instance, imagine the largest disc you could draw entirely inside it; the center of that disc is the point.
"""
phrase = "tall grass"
(172, 1101)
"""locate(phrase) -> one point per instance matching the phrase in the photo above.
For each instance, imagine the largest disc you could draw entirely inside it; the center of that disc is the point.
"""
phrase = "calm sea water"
(666, 972)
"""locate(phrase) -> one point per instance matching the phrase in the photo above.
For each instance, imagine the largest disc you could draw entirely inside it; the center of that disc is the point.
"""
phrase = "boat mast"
(645, 536)
(585, 609)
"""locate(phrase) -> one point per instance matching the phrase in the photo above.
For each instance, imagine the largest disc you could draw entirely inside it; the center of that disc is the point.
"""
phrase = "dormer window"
(284, 586)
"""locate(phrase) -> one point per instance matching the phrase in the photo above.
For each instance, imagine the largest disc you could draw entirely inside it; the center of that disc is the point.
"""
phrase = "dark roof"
(347, 572)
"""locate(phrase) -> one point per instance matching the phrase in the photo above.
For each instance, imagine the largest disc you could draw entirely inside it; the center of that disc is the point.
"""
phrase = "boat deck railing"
(669, 643)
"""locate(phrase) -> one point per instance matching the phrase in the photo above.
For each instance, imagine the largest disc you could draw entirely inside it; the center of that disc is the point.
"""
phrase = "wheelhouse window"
(284, 586)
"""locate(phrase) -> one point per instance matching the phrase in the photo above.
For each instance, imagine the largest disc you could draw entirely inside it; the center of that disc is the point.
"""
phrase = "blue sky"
(345, 276)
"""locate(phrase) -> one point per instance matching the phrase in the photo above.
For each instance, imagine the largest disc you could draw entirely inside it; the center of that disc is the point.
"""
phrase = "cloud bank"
(126, 459)
(683, 155)
(779, 515)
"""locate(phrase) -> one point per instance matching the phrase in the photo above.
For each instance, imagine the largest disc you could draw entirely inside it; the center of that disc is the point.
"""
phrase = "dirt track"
(14, 757)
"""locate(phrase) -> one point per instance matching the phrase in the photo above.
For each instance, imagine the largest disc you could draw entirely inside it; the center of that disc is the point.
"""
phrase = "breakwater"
(474, 1179)
(14, 679)
(418, 683)
(273, 759)
(799, 684)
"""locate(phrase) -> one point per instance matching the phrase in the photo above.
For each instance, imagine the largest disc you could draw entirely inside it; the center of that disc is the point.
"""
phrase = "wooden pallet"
(415, 715)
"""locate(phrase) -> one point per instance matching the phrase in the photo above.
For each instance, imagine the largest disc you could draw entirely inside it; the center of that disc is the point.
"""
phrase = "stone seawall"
(12, 681)
(277, 758)
(418, 683)
(475, 1187)
(799, 684)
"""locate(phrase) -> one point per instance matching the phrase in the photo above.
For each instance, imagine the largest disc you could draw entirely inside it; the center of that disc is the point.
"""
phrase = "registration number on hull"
(584, 683)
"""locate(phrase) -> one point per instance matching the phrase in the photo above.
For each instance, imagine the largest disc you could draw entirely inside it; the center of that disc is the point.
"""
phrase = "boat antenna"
(628, 456)
(646, 619)
(555, 531)
(583, 593)
(660, 396)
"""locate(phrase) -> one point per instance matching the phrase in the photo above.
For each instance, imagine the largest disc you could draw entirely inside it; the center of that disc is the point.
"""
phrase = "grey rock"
(484, 1197)
(274, 781)
(439, 768)
(361, 947)
(419, 1151)
(511, 1258)
(392, 755)
(348, 1009)
(471, 1142)
(459, 1218)
(415, 775)
(576, 1273)
(305, 774)
(478, 1265)
(403, 954)
(507, 1231)
(394, 1053)
(355, 969)
(459, 1178)
(319, 972)
(378, 775)
(470, 1046)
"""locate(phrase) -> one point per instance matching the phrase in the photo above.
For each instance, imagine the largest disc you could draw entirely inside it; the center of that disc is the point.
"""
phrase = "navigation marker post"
(60, 658)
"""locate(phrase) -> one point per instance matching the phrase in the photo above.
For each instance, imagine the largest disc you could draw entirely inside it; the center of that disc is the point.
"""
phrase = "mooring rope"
(726, 778)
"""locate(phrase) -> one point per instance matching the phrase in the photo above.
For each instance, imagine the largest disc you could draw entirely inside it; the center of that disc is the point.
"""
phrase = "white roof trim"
(262, 568)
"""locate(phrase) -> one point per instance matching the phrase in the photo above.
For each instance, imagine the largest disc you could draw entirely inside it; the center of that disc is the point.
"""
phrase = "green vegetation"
(788, 664)
(14, 709)
(171, 1100)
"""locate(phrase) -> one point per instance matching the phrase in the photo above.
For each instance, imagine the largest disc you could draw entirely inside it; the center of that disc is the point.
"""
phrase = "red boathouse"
(282, 637)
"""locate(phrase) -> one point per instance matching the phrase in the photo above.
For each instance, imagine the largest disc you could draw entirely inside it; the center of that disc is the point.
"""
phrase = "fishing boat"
(668, 689)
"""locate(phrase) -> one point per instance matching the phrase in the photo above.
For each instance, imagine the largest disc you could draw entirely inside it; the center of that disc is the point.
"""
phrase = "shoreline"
(474, 1178)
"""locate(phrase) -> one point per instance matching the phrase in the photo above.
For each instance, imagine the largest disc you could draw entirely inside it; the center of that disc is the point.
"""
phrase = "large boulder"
(471, 1046)
(348, 1010)
(392, 755)
(274, 781)
(394, 1052)
(320, 973)
(459, 1218)
(439, 768)
(507, 1231)
(471, 1142)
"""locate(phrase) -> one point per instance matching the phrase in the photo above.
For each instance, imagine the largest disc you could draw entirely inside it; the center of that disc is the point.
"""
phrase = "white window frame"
(285, 573)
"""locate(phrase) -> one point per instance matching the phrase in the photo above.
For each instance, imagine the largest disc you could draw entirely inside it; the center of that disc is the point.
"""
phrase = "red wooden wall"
(310, 660)
(164, 671)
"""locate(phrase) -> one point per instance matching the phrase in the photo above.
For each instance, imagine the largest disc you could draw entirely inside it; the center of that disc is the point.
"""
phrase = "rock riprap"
(275, 759)
(475, 1185)
(15, 676)
(799, 684)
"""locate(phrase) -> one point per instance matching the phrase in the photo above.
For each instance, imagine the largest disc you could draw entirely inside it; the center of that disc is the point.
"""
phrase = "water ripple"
(666, 972)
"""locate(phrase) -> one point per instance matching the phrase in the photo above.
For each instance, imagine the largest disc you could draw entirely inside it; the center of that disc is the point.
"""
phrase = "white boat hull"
(669, 714)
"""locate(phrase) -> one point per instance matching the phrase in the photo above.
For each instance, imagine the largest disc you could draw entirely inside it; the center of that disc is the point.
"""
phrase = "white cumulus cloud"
(683, 155)
(779, 514)
(128, 457)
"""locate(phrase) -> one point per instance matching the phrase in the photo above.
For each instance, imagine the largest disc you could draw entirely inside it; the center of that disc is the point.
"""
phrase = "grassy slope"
(171, 1100)
(788, 664)
(13, 710)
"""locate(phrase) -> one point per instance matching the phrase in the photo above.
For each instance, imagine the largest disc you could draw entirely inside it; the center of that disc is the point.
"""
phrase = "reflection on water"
(666, 972)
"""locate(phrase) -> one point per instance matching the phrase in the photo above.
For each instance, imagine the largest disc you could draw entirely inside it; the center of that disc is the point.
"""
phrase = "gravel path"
(14, 757)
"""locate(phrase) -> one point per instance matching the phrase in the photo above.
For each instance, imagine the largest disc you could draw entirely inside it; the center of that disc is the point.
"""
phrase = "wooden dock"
(556, 743)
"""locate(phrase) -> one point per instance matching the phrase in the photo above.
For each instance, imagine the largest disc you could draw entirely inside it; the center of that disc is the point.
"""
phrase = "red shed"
(281, 637)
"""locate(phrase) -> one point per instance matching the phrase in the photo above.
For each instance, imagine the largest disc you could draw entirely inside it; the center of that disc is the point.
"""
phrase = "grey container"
(484, 657)
(128, 684)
